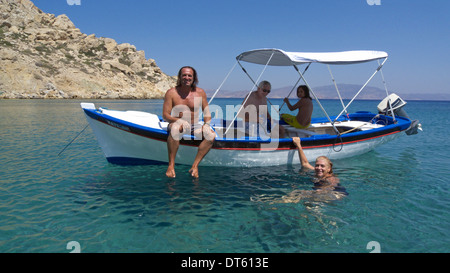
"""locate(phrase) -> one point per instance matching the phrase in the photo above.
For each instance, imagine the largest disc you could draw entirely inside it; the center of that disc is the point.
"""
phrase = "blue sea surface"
(398, 194)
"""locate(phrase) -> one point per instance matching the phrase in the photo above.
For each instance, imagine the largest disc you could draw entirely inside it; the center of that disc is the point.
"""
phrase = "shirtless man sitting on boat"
(181, 109)
(255, 110)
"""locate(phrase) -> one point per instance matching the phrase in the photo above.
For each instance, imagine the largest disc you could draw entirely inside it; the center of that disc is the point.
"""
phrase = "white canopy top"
(282, 58)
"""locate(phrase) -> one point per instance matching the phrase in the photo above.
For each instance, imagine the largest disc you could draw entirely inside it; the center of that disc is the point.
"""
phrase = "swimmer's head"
(323, 167)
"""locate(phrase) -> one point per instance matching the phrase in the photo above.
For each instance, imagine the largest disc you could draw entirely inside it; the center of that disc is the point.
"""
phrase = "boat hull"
(128, 143)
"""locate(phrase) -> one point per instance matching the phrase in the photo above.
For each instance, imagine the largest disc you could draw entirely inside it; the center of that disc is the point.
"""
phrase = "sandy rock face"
(46, 56)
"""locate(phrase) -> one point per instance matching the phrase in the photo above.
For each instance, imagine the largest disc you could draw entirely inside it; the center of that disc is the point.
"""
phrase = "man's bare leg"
(203, 149)
(172, 147)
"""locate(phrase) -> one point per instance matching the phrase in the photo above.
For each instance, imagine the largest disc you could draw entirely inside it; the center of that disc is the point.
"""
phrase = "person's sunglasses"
(266, 91)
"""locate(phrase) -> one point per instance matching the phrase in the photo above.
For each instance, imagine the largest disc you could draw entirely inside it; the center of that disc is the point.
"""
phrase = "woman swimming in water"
(326, 183)
(323, 167)
(324, 178)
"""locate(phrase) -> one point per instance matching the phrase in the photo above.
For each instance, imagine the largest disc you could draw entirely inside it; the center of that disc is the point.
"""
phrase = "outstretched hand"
(296, 141)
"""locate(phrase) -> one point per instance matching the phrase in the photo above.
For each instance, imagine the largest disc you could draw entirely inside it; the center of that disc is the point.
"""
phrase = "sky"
(209, 34)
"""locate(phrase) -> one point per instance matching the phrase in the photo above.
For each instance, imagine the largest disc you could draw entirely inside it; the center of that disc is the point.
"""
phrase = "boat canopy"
(278, 57)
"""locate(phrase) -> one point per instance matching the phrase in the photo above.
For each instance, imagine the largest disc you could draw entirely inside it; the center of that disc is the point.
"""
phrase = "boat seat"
(292, 131)
(144, 119)
(136, 117)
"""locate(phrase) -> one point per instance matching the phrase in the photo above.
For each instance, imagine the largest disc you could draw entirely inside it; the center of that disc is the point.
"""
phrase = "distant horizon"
(281, 93)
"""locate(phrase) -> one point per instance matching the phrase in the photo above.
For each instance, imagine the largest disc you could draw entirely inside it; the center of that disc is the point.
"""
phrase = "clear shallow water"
(398, 195)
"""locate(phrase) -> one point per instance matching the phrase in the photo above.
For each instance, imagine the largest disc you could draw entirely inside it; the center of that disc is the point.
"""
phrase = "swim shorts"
(191, 134)
(292, 120)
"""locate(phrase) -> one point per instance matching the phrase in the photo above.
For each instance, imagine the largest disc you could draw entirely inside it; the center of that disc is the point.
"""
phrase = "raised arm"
(301, 154)
(291, 107)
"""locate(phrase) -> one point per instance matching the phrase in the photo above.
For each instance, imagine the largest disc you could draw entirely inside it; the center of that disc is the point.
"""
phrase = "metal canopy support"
(220, 87)
(337, 89)
(293, 88)
(315, 97)
(254, 85)
(387, 92)
(374, 73)
(345, 107)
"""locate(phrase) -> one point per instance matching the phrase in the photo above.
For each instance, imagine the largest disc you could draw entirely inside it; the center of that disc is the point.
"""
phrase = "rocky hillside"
(46, 56)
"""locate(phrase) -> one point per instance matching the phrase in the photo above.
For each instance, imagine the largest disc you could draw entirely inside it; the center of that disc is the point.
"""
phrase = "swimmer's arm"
(301, 154)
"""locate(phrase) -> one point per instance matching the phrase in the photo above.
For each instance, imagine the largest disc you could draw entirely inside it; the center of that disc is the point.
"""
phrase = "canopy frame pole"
(315, 97)
(220, 87)
(387, 92)
(351, 101)
(255, 83)
(337, 89)
(384, 81)
(293, 88)
(251, 90)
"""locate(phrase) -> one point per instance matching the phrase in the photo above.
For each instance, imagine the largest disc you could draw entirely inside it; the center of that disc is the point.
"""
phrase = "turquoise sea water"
(398, 194)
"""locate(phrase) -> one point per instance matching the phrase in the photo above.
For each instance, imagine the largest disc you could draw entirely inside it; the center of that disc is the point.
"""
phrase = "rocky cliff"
(46, 56)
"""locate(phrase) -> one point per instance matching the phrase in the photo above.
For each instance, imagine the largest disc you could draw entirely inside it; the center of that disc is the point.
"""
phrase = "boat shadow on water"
(255, 185)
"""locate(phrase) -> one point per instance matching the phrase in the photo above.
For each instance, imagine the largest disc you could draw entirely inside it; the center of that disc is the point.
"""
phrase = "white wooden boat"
(135, 137)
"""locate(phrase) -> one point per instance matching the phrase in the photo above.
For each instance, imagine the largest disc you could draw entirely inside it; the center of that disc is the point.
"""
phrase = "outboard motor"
(393, 103)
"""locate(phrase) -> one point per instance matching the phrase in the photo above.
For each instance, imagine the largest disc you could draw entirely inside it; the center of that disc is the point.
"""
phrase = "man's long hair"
(195, 82)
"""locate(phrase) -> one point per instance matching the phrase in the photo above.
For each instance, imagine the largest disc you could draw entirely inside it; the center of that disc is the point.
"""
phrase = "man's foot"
(170, 172)
(194, 172)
